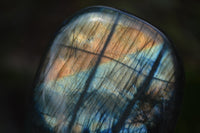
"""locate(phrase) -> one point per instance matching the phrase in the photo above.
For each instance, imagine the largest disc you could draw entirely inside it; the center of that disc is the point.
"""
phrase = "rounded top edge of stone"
(107, 9)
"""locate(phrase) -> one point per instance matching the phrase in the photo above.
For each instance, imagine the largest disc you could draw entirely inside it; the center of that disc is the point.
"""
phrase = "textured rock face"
(107, 71)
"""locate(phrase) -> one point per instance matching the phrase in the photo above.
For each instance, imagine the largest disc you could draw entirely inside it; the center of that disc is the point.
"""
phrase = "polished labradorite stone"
(107, 72)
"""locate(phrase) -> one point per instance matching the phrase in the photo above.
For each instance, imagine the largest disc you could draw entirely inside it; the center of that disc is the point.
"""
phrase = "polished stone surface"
(107, 71)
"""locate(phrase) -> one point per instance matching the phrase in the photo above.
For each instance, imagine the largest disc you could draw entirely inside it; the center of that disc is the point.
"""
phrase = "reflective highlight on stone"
(107, 72)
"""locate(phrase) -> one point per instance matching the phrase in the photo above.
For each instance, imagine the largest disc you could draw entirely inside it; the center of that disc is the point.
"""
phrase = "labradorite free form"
(107, 71)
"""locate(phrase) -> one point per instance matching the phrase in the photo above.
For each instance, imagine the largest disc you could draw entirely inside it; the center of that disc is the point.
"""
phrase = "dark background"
(27, 26)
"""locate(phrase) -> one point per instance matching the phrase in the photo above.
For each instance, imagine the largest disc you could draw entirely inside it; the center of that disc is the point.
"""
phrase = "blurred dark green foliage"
(27, 27)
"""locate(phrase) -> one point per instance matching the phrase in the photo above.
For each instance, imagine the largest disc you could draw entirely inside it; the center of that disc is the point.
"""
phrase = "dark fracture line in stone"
(89, 80)
(141, 90)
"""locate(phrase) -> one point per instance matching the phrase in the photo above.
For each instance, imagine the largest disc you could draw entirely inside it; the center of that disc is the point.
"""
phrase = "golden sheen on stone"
(107, 71)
